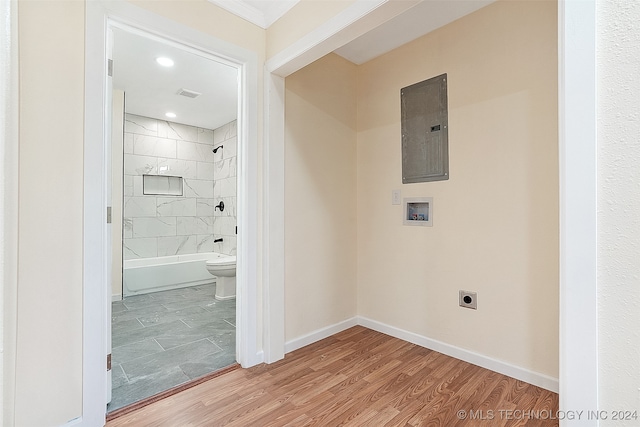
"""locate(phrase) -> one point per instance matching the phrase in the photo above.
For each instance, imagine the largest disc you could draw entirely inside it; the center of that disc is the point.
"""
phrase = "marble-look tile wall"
(224, 187)
(157, 225)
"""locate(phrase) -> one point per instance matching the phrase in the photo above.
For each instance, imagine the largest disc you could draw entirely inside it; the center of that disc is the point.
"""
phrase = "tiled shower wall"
(224, 187)
(156, 225)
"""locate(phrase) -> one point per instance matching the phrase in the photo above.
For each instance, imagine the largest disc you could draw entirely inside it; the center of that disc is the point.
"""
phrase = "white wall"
(618, 48)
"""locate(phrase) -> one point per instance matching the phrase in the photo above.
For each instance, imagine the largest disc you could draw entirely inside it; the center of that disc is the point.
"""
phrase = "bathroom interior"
(173, 207)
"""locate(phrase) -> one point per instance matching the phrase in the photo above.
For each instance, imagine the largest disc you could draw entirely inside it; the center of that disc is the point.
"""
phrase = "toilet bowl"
(224, 268)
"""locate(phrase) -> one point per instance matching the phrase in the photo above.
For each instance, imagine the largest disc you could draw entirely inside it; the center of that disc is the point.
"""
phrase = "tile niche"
(161, 225)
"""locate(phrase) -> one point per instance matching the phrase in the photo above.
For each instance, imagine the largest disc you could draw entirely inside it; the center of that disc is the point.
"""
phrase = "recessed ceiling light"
(171, 115)
(165, 62)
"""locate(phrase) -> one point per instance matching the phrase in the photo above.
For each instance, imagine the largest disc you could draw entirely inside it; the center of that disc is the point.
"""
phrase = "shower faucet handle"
(220, 206)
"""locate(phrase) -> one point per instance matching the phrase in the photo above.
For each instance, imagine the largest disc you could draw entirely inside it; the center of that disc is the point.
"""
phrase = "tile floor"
(164, 339)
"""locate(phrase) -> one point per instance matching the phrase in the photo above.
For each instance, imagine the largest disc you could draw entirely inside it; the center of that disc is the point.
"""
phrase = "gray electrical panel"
(425, 141)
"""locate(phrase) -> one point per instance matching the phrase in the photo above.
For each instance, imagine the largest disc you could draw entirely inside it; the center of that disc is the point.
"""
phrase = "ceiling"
(260, 12)
(151, 90)
(421, 19)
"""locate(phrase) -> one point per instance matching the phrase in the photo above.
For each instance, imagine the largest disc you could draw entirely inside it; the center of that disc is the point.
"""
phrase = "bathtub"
(141, 276)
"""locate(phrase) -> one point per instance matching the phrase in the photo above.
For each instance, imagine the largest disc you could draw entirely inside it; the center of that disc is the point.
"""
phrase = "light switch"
(395, 197)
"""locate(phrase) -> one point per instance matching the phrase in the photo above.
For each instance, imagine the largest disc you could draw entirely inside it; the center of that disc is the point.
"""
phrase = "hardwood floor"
(358, 377)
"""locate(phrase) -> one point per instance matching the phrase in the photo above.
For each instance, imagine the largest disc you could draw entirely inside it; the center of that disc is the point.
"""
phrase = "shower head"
(215, 150)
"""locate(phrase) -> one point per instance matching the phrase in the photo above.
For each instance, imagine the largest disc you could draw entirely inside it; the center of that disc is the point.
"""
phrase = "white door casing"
(97, 290)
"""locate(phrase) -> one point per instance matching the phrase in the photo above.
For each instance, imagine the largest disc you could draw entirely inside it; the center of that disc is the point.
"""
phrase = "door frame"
(100, 15)
(578, 173)
(9, 146)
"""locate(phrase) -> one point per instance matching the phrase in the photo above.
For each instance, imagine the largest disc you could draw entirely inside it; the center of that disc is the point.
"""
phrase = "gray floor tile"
(204, 288)
(165, 360)
(138, 301)
(224, 339)
(214, 304)
(128, 337)
(125, 325)
(118, 378)
(117, 307)
(171, 340)
(151, 340)
(169, 298)
(170, 316)
(222, 312)
(189, 311)
(207, 364)
(207, 291)
(147, 386)
(173, 293)
(184, 303)
(139, 312)
(207, 319)
(128, 352)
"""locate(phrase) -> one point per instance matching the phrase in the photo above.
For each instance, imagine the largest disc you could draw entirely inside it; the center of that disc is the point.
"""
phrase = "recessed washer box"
(418, 211)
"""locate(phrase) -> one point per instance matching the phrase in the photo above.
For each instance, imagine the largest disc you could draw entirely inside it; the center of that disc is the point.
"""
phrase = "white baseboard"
(319, 334)
(255, 359)
(531, 377)
(522, 374)
(115, 298)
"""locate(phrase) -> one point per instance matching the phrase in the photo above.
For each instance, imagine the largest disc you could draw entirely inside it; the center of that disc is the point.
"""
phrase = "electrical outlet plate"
(468, 299)
(395, 197)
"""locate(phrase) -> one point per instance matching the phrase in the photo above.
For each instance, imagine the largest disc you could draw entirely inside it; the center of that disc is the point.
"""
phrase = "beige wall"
(320, 196)
(49, 324)
(495, 222)
(210, 19)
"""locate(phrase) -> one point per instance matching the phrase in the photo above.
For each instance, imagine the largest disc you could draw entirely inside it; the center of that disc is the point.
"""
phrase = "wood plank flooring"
(358, 377)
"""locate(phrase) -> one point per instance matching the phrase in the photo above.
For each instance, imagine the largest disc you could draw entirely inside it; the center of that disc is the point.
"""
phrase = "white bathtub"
(146, 275)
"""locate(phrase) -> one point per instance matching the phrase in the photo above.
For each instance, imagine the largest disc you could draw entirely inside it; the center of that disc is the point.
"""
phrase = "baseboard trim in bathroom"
(164, 394)
(499, 366)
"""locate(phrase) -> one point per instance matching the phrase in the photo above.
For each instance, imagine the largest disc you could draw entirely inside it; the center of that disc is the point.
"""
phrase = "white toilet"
(224, 268)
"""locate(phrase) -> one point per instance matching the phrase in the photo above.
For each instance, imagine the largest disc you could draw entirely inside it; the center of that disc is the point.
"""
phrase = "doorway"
(173, 203)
